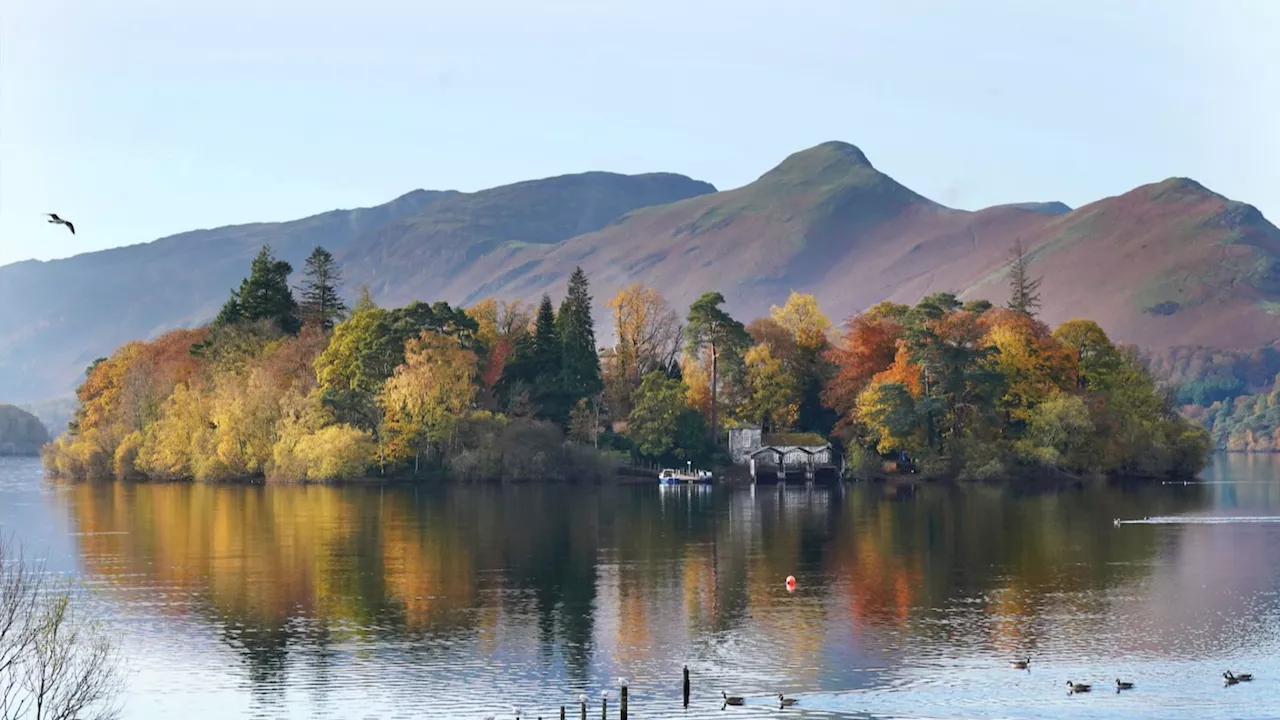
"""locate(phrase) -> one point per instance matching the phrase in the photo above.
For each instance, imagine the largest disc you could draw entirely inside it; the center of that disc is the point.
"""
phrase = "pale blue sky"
(142, 118)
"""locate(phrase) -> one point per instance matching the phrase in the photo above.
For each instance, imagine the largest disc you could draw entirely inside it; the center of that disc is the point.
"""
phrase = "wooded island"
(304, 389)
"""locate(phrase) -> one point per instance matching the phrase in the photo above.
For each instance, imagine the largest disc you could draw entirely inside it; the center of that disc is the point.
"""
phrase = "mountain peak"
(829, 158)
(831, 166)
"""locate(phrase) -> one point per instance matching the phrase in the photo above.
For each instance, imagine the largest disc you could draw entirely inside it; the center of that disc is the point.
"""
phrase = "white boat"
(671, 476)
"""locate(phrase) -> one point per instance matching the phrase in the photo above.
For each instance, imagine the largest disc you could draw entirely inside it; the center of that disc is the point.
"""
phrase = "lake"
(372, 602)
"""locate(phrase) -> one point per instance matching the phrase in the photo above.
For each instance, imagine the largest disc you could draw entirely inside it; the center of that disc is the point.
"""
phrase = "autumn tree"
(772, 394)
(804, 358)
(647, 339)
(888, 409)
(802, 318)
(1034, 365)
(366, 348)
(709, 326)
(500, 327)
(424, 399)
(1024, 290)
(1095, 355)
(322, 304)
(869, 346)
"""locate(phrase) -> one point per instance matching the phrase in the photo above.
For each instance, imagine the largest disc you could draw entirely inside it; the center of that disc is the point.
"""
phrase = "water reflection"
(449, 600)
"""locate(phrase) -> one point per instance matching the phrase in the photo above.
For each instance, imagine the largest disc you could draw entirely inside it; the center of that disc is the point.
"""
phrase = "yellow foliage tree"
(801, 316)
(698, 379)
(1035, 366)
(772, 397)
(427, 394)
(888, 411)
(648, 339)
(336, 452)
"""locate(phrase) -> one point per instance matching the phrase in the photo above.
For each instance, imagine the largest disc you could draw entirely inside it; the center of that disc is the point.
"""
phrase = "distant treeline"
(1232, 393)
(304, 389)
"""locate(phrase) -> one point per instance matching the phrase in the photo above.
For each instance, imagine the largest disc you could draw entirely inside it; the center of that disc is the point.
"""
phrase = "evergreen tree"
(321, 304)
(578, 338)
(1024, 290)
(548, 355)
(264, 295)
(230, 313)
(710, 326)
(545, 368)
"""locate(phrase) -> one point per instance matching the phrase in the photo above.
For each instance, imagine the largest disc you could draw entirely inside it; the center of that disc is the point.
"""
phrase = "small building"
(774, 457)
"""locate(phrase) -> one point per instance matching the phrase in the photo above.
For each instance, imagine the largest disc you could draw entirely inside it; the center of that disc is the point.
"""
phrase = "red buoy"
(791, 583)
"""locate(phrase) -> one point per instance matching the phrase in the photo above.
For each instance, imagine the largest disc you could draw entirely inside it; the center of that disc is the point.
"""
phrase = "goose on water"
(1122, 685)
(785, 701)
(1242, 677)
(1021, 664)
(732, 699)
(1079, 687)
(1231, 679)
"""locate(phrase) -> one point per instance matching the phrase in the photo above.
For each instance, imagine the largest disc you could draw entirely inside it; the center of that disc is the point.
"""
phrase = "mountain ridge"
(1159, 265)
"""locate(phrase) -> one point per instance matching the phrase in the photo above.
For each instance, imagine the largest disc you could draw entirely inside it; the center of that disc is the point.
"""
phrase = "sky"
(138, 119)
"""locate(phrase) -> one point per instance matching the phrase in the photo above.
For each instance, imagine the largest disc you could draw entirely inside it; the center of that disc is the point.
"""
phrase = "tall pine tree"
(546, 365)
(711, 327)
(264, 295)
(581, 363)
(322, 306)
(1024, 290)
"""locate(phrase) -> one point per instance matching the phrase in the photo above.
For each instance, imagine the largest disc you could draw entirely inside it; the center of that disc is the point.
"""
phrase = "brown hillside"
(1169, 264)
(1165, 265)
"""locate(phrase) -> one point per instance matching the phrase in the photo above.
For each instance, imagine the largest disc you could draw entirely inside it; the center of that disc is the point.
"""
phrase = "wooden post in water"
(604, 705)
(561, 712)
(686, 686)
(624, 701)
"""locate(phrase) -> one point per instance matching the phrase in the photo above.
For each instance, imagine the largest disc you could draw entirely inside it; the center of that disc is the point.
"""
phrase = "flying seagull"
(53, 218)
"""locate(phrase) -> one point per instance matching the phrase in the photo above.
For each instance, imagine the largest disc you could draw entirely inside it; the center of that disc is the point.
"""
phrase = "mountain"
(1167, 264)
(404, 258)
(57, 317)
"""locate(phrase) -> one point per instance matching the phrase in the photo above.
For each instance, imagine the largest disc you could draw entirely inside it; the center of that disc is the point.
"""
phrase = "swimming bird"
(1079, 687)
(1021, 664)
(1242, 677)
(785, 701)
(53, 218)
(1122, 685)
(732, 699)
(1231, 679)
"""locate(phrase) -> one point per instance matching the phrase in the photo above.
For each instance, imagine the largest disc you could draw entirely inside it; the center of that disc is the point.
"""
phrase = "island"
(21, 433)
(304, 389)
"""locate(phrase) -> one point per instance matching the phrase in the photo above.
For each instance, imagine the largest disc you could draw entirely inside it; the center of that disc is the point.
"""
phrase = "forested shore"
(294, 386)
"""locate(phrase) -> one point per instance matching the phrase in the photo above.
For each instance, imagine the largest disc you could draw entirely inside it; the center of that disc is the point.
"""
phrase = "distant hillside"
(1168, 264)
(20, 432)
(57, 317)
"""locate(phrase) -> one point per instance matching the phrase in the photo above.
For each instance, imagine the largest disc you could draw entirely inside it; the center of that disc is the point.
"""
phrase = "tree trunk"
(715, 397)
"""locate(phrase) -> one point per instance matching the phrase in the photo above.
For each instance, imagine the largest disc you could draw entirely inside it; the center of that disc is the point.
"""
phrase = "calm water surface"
(364, 602)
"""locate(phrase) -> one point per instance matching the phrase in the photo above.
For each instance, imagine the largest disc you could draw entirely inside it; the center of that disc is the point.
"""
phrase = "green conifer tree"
(322, 306)
(581, 362)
